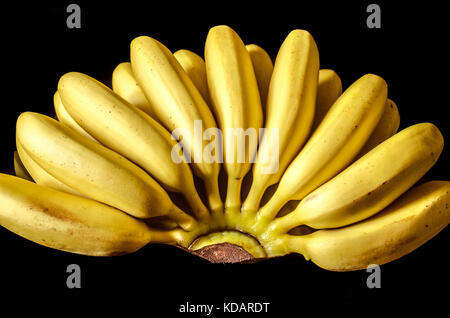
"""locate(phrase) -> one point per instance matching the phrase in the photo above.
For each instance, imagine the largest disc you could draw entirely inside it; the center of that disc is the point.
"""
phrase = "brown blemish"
(310, 197)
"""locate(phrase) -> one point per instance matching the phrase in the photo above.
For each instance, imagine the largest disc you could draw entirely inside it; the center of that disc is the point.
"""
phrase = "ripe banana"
(19, 169)
(370, 184)
(70, 223)
(263, 66)
(409, 222)
(236, 103)
(387, 127)
(329, 88)
(39, 175)
(195, 68)
(124, 84)
(180, 107)
(129, 131)
(334, 144)
(290, 111)
(64, 117)
(94, 170)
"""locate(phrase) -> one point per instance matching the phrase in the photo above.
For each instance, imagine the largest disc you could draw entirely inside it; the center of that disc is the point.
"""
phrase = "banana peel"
(362, 222)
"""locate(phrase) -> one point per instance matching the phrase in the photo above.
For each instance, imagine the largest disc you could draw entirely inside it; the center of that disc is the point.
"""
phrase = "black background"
(408, 51)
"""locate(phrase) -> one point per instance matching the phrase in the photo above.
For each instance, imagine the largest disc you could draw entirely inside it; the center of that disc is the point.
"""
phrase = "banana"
(124, 84)
(290, 111)
(64, 117)
(195, 68)
(70, 223)
(94, 170)
(236, 103)
(263, 66)
(181, 108)
(39, 175)
(370, 184)
(329, 88)
(19, 168)
(402, 227)
(129, 131)
(338, 139)
(387, 127)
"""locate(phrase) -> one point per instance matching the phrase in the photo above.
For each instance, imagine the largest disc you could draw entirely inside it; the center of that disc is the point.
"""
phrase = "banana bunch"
(234, 156)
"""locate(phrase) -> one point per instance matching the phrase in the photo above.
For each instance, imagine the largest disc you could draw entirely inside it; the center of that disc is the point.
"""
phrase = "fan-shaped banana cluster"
(159, 158)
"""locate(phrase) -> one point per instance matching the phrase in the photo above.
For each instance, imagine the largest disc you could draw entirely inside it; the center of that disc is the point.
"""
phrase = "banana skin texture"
(93, 169)
(413, 219)
(290, 111)
(371, 183)
(236, 103)
(178, 104)
(129, 131)
(58, 220)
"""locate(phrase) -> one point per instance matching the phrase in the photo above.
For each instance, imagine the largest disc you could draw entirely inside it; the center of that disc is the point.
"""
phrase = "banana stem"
(286, 223)
(213, 194)
(233, 200)
(297, 244)
(197, 206)
(163, 236)
(183, 219)
(251, 203)
(271, 209)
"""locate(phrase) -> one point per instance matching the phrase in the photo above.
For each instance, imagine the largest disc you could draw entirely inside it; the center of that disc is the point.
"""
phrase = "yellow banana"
(124, 84)
(387, 127)
(180, 108)
(94, 170)
(195, 68)
(236, 103)
(70, 223)
(19, 168)
(39, 175)
(329, 88)
(64, 117)
(290, 112)
(334, 144)
(263, 66)
(370, 184)
(129, 131)
(402, 227)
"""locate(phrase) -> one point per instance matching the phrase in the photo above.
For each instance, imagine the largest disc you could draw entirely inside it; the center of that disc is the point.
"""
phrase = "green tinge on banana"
(65, 118)
(125, 85)
(290, 112)
(71, 223)
(179, 107)
(413, 219)
(387, 127)
(94, 170)
(329, 88)
(129, 131)
(334, 144)
(370, 184)
(195, 67)
(263, 66)
(19, 169)
(236, 102)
